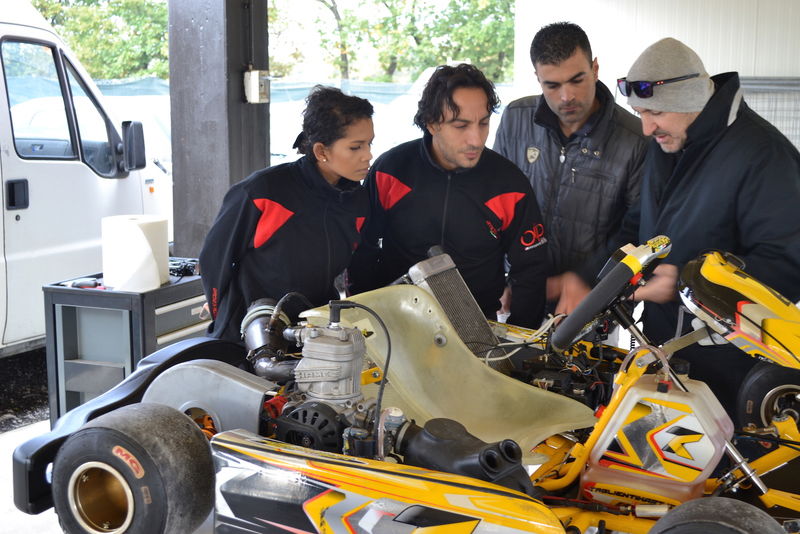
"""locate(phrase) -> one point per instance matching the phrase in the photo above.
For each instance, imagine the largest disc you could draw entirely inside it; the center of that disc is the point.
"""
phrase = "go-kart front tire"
(143, 468)
(716, 515)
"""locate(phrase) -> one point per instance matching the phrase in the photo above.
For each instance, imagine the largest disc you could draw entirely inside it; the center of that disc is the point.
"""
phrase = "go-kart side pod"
(265, 483)
(752, 316)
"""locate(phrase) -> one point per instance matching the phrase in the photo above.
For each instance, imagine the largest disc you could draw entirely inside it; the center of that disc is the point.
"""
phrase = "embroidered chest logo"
(533, 237)
(532, 153)
(492, 230)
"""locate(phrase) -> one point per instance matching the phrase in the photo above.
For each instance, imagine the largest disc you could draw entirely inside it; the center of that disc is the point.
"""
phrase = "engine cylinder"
(330, 369)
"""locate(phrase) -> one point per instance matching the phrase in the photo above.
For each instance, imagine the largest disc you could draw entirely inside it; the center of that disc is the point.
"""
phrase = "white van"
(63, 166)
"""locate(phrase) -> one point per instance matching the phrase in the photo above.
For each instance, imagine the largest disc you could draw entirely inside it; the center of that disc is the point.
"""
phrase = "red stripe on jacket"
(504, 206)
(390, 189)
(273, 216)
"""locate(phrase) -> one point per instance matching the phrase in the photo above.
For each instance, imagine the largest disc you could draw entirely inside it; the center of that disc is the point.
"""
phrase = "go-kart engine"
(327, 399)
(323, 408)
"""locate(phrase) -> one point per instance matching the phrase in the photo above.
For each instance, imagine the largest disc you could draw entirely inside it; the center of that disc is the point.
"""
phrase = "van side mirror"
(133, 146)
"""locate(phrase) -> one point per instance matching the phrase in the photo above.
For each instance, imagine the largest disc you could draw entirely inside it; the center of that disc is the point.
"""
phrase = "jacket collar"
(720, 111)
(314, 180)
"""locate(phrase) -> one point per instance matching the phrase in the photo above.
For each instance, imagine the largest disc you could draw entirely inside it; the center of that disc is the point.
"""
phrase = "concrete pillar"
(217, 138)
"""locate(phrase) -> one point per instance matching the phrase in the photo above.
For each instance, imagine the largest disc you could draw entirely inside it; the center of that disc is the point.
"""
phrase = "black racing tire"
(768, 390)
(716, 515)
(143, 468)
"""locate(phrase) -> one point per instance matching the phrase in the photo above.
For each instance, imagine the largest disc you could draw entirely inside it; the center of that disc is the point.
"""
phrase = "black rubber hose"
(610, 287)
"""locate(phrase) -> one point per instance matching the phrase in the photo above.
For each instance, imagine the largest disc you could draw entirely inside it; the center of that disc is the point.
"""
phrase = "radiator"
(439, 276)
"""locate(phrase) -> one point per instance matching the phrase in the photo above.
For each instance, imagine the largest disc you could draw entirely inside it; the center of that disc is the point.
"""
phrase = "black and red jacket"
(281, 229)
(480, 216)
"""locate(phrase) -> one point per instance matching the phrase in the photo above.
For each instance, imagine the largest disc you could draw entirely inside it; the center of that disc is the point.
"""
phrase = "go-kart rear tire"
(143, 468)
(716, 515)
(768, 390)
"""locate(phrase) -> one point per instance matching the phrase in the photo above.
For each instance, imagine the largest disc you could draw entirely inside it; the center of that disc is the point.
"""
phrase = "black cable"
(337, 305)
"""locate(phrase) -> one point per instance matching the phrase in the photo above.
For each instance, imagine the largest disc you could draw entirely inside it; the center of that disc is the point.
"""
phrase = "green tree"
(113, 38)
(284, 53)
(411, 35)
(341, 38)
(396, 34)
(478, 31)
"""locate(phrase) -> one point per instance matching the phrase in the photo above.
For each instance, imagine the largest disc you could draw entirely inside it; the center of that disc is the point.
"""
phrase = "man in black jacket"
(581, 152)
(716, 176)
(447, 189)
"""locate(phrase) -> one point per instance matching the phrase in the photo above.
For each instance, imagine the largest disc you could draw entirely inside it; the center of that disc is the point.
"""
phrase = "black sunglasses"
(645, 89)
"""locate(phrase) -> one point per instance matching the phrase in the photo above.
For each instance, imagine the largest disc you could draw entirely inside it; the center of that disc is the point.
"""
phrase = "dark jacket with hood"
(479, 216)
(282, 229)
(734, 187)
(584, 184)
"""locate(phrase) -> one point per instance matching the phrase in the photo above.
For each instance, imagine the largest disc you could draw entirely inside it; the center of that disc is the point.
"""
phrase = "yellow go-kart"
(387, 422)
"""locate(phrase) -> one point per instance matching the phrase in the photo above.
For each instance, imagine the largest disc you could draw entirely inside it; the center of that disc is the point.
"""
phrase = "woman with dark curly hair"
(292, 227)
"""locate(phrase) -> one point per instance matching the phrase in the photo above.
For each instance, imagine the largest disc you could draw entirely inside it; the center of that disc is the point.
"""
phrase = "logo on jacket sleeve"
(532, 153)
(390, 190)
(534, 237)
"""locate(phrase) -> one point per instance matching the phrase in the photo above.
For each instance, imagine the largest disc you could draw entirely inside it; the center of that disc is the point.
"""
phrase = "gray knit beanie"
(665, 59)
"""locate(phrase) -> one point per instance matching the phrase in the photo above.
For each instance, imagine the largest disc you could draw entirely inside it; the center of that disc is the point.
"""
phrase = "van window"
(38, 109)
(92, 127)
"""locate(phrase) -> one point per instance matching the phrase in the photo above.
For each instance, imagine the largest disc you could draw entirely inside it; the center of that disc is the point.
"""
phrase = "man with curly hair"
(448, 189)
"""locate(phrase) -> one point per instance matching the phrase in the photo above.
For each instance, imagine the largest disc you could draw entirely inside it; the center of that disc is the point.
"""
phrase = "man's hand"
(661, 287)
(572, 291)
(553, 287)
(505, 302)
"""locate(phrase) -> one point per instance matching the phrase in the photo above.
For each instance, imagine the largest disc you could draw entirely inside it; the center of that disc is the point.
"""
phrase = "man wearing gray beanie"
(716, 176)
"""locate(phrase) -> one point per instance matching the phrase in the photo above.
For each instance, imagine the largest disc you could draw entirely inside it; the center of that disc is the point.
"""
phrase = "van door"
(60, 166)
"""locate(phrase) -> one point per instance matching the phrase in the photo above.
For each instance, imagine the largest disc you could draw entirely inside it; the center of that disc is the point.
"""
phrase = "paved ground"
(23, 390)
(24, 413)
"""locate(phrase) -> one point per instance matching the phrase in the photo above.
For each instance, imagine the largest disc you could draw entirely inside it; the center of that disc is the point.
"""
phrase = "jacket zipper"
(444, 208)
